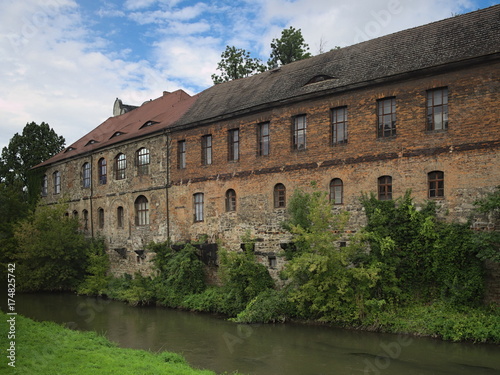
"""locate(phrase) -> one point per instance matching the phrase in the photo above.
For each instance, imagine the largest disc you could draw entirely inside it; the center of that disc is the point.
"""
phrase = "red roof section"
(162, 112)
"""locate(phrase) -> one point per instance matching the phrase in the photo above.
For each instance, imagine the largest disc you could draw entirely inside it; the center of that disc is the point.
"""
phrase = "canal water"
(290, 349)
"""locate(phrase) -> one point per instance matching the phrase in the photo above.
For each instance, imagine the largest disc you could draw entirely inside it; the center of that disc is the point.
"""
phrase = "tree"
(52, 253)
(36, 144)
(236, 63)
(289, 48)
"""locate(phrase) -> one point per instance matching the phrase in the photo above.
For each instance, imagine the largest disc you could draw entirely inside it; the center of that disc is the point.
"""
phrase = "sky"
(64, 62)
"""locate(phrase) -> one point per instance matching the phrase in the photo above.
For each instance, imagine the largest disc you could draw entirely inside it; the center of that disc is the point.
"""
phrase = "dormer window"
(148, 123)
(91, 142)
(319, 78)
(70, 149)
(117, 134)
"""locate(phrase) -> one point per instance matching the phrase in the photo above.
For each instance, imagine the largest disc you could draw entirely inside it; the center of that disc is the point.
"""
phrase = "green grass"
(49, 349)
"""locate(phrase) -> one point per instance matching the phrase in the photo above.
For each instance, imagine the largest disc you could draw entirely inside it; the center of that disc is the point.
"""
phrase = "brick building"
(418, 109)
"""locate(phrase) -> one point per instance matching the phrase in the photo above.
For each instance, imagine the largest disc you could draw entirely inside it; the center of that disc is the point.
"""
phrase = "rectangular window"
(263, 139)
(234, 144)
(206, 150)
(120, 166)
(437, 109)
(339, 125)
(386, 109)
(143, 161)
(57, 182)
(198, 207)
(120, 217)
(45, 186)
(436, 184)
(299, 132)
(181, 154)
(385, 188)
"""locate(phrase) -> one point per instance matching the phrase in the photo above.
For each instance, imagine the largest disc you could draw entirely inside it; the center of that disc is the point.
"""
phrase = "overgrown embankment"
(47, 348)
(406, 271)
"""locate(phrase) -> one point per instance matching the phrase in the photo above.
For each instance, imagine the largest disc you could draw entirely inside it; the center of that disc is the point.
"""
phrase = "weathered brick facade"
(465, 152)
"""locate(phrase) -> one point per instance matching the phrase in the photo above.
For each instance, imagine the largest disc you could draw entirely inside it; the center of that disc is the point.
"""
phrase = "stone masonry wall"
(467, 153)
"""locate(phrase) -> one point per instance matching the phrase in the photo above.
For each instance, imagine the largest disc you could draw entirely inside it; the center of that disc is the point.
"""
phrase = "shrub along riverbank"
(47, 348)
(420, 275)
(407, 271)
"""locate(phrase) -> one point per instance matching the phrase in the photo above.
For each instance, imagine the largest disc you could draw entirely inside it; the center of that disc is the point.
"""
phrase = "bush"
(243, 279)
(421, 257)
(270, 306)
(180, 273)
(97, 279)
(52, 253)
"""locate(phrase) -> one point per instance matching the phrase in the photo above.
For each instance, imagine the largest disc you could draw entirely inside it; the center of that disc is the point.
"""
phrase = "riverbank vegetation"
(47, 348)
(406, 271)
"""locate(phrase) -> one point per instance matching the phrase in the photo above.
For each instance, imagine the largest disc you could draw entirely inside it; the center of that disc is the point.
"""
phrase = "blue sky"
(65, 61)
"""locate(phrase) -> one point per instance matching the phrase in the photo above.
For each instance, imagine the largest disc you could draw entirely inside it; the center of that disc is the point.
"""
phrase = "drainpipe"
(167, 186)
(91, 195)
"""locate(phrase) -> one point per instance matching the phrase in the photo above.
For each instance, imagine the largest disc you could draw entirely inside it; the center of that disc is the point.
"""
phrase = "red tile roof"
(162, 112)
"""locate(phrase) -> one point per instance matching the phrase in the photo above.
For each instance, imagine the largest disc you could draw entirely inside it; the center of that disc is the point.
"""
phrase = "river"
(290, 349)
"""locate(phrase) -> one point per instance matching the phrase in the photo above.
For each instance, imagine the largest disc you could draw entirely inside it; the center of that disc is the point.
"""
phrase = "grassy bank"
(47, 349)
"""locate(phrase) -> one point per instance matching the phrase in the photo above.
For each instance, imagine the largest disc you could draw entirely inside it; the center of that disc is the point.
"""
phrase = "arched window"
(86, 175)
(85, 220)
(279, 196)
(103, 171)
(120, 166)
(436, 184)
(120, 217)
(45, 185)
(199, 215)
(336, 191)
(142, 161)
(385, 188)
(75, 214)
(100, 218)
(230, 200)
(56, 176)
(141, 211)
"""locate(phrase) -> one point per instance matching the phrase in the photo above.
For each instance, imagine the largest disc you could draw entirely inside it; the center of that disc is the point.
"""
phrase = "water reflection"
(213, 343)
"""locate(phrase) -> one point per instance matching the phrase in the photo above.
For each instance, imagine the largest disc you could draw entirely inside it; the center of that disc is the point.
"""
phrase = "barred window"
(339, 125)
(198, 207)
(143, 161)
(299, 132)
(234, 144)
(86, 175)
(103, 171)
(437, 109)
(206, 149)
(279, 196)
(120, 166)
(141, 211)
(386, 117)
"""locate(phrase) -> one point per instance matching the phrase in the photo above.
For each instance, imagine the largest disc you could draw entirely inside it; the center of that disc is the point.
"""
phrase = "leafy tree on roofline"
(236, 63)
(289, 48)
